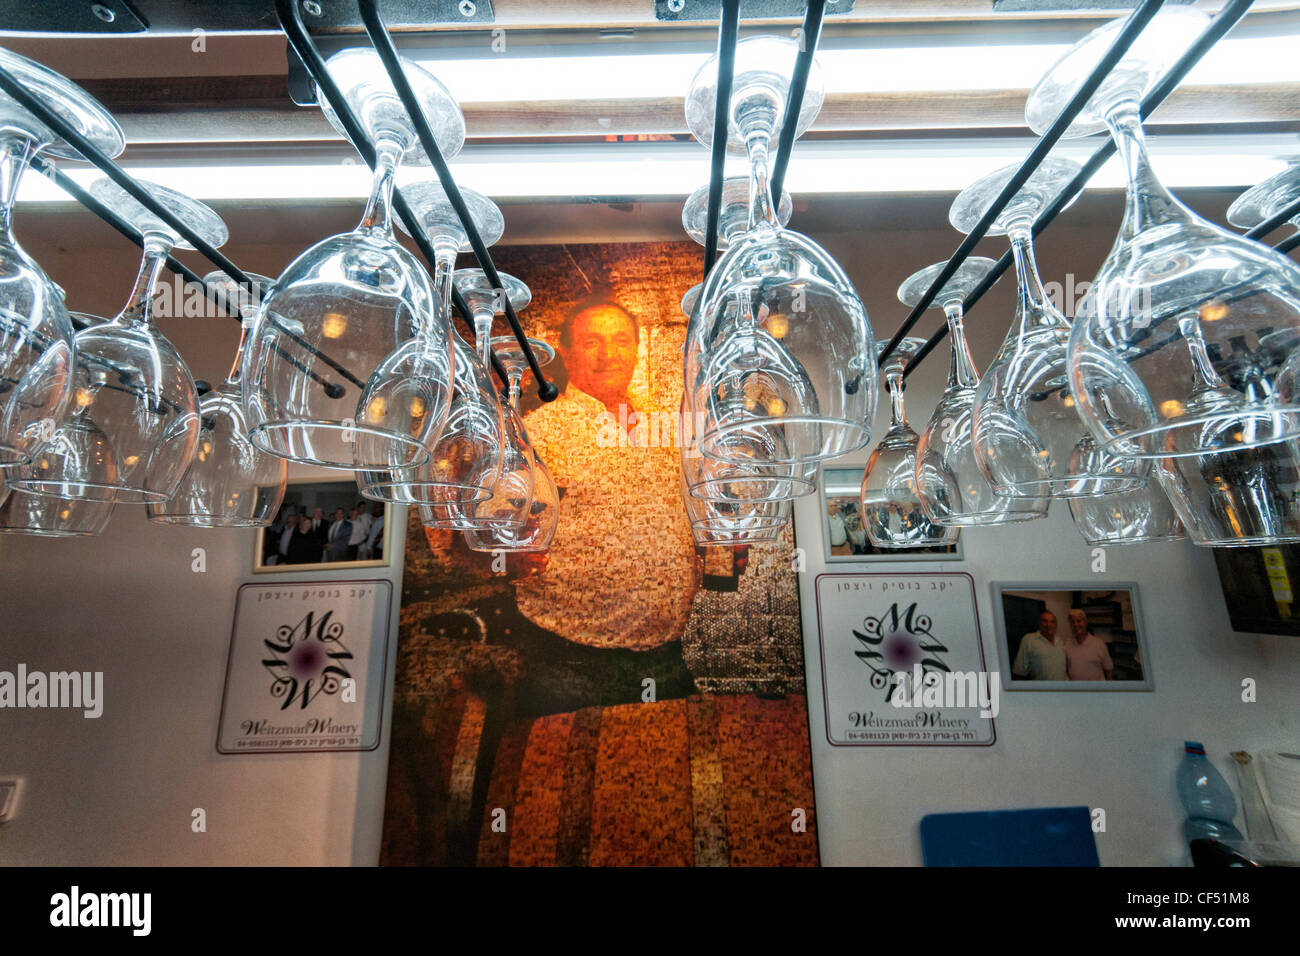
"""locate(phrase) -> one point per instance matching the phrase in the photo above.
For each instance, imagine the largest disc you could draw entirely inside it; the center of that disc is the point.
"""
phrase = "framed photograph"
(845, 537)
(325, 525)
(306, 667)
(1071, 637)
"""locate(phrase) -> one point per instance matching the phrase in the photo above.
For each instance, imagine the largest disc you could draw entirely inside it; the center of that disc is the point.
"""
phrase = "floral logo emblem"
(895, 643)
(306, 660)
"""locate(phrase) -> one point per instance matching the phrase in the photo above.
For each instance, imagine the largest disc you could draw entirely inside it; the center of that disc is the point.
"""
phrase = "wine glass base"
(329, 443)
(492, 548)
(1072, 486)
(834, 437)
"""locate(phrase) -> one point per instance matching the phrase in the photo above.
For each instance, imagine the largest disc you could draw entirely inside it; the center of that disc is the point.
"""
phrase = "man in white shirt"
(1041, 655)
(360, 530)
(373, 547)
(1086, 656)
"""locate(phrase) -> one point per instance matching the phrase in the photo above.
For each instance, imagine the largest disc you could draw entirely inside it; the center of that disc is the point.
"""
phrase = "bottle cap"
(1194, 747)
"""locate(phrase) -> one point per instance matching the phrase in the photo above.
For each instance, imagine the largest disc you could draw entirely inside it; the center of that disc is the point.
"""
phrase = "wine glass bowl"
(1141, 516)
(1026, 428)
(891, 506)
(951, 487)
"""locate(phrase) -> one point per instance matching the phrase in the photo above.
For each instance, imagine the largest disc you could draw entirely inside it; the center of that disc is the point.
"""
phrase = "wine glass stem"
(1029, 287)
(444, 277)
(1190, 326)
(515, 375)
(483, 333)
(139, 308)
(894, 380)
(761, 209)
(1147, 201)
(961, 373)
(15, 153)
(379, 208)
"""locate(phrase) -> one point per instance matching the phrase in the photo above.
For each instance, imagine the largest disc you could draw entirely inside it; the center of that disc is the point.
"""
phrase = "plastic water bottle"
(1206, 797)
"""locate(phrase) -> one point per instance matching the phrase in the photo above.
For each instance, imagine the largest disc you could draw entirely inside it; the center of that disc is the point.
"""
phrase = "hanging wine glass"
(1237, 499)
(1169, 269)
(230, 483)
(466, 452)
(512, 494)
(949, 483)
(345, 306)
(783, 342)
(35, 333)
(47, 517)
(747, 471)
(128, 378)
(1142, 516)
(538, 530)
(891, 506)
(1027, 433)
(715, 524)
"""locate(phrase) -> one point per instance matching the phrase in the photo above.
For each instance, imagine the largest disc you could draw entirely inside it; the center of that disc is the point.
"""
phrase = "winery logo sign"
(911, 670)
(292, 684)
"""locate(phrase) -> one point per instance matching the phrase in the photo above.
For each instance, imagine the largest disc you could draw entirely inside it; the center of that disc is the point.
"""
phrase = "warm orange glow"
(1172, 408)
(132, 459)
(417, 407)
(84, 397)
(334, 325)
(1068, 401)
(778, 325)
(376, 408)
(1213, 311)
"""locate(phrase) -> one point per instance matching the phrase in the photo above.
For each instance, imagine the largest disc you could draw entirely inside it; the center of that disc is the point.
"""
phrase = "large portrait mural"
(623, 697)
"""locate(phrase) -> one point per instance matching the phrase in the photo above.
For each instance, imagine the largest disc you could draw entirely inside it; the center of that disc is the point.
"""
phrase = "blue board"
(1048, 836)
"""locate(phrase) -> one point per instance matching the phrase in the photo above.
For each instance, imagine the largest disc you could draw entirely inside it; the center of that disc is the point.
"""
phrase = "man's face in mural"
(601, 356)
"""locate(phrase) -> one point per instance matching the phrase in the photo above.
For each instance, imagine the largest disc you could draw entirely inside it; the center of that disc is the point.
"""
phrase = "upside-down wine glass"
(344, 307)
(465, 454)
(538, 530)
(1265, 200)
(747, 471)
(952, 488)
(729, 504)
(785, 351)
(891, 507)
(231, 483)
(512, 493)
(1028, 436)
(1168, 271)
(35, 333)
(129, 380)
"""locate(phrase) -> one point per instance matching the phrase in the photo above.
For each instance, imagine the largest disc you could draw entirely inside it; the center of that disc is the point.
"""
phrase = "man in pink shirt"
(1086, 657)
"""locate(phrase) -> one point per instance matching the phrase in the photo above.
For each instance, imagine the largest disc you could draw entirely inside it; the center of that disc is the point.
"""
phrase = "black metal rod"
(728, 33)
(294, 30)
(1283, 215)
(809, 36)
(383, 44)
(1287, 244)
(1224, 21)
(68, 185)
(1133, 27)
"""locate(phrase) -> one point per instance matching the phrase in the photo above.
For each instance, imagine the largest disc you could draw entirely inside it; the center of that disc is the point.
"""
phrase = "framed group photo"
(1071, 637)
(842, 525)
(325, 525)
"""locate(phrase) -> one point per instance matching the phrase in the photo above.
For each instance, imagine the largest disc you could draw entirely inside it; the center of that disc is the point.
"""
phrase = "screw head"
(468, 8)
(676, 6)
(312, 8)
(103, 12)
